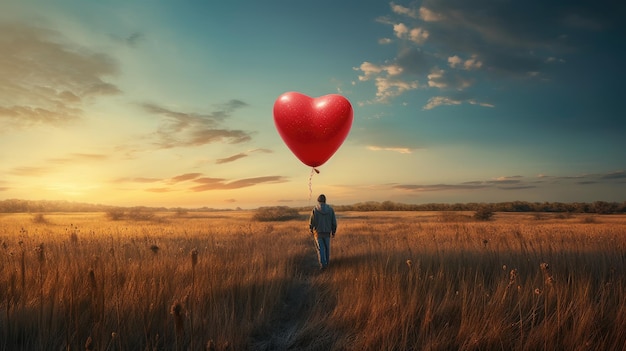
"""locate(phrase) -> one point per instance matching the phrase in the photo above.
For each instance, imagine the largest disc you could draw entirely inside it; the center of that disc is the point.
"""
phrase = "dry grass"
(397, 281)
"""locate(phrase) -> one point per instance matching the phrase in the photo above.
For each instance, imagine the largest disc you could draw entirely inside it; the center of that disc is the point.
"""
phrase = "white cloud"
(455, 61)
(401, 10)
(389, 88)
(483, 104)
(469, 64)
(384, 41)
(46, 80)
(417, 35)
(400, 30)
(435, 79)
(393, 70)
(386, 79)
(437, 101)
(401, 150)
(515, 178)
(185, 129)
(429, 16)
(472, 63)
(438, 78)
(370, 70)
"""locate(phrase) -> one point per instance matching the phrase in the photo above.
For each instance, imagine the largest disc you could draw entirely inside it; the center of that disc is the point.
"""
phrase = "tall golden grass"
(397, 281)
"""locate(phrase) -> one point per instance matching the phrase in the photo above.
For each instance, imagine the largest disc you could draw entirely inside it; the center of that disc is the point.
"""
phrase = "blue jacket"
(323, 219)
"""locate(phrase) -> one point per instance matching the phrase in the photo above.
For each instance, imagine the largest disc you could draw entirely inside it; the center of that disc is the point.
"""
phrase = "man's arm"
(312, 221)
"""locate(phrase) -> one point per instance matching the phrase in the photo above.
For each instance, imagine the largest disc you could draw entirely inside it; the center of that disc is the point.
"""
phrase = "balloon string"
(311, 184)
(313, 171)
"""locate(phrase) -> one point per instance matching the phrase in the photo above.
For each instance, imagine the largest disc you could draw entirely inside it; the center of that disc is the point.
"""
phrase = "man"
(323, 224)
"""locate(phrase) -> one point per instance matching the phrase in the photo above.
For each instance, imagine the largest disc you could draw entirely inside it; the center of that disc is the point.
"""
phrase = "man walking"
(323, 224)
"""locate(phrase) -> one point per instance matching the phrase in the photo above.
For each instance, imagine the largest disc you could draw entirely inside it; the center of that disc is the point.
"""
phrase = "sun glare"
(70, 189)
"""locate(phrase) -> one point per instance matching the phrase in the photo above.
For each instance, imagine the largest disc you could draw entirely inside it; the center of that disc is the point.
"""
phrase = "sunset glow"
(170, 104)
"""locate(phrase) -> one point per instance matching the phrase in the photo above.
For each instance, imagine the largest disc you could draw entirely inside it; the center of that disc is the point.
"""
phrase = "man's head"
(321, 198)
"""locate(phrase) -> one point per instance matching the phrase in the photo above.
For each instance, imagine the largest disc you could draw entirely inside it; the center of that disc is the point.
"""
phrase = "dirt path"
(291, 315)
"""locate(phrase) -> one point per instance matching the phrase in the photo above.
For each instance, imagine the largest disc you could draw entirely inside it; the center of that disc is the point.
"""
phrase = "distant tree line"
(42, 206)
(37, 206)
(598, 207)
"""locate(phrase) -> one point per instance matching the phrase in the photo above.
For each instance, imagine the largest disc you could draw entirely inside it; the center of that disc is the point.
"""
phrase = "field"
(397, 281)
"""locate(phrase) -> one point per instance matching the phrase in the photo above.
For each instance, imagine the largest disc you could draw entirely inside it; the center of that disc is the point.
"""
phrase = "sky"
(145, 103)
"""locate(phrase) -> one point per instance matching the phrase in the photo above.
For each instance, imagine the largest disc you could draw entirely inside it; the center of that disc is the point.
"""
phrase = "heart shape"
(313, 128)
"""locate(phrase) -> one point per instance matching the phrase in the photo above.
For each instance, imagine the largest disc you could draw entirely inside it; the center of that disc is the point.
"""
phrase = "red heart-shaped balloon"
(313, 128)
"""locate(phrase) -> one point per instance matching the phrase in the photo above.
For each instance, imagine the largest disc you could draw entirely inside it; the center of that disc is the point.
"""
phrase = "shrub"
(275, 213)
(115, 214)
(539, 216)
(180, 212)
(589, 220)
(140, 214)
(483, 214)
(40, 218)
(563, 215)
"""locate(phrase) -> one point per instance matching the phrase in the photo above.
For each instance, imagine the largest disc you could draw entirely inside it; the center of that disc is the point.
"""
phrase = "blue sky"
(170, 103)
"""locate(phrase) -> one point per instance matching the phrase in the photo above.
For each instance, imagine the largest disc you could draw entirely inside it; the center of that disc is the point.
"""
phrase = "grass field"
(397, 281)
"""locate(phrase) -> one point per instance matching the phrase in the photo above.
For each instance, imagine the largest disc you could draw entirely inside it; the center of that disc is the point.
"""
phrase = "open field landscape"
(159, 161)
(396, 281)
